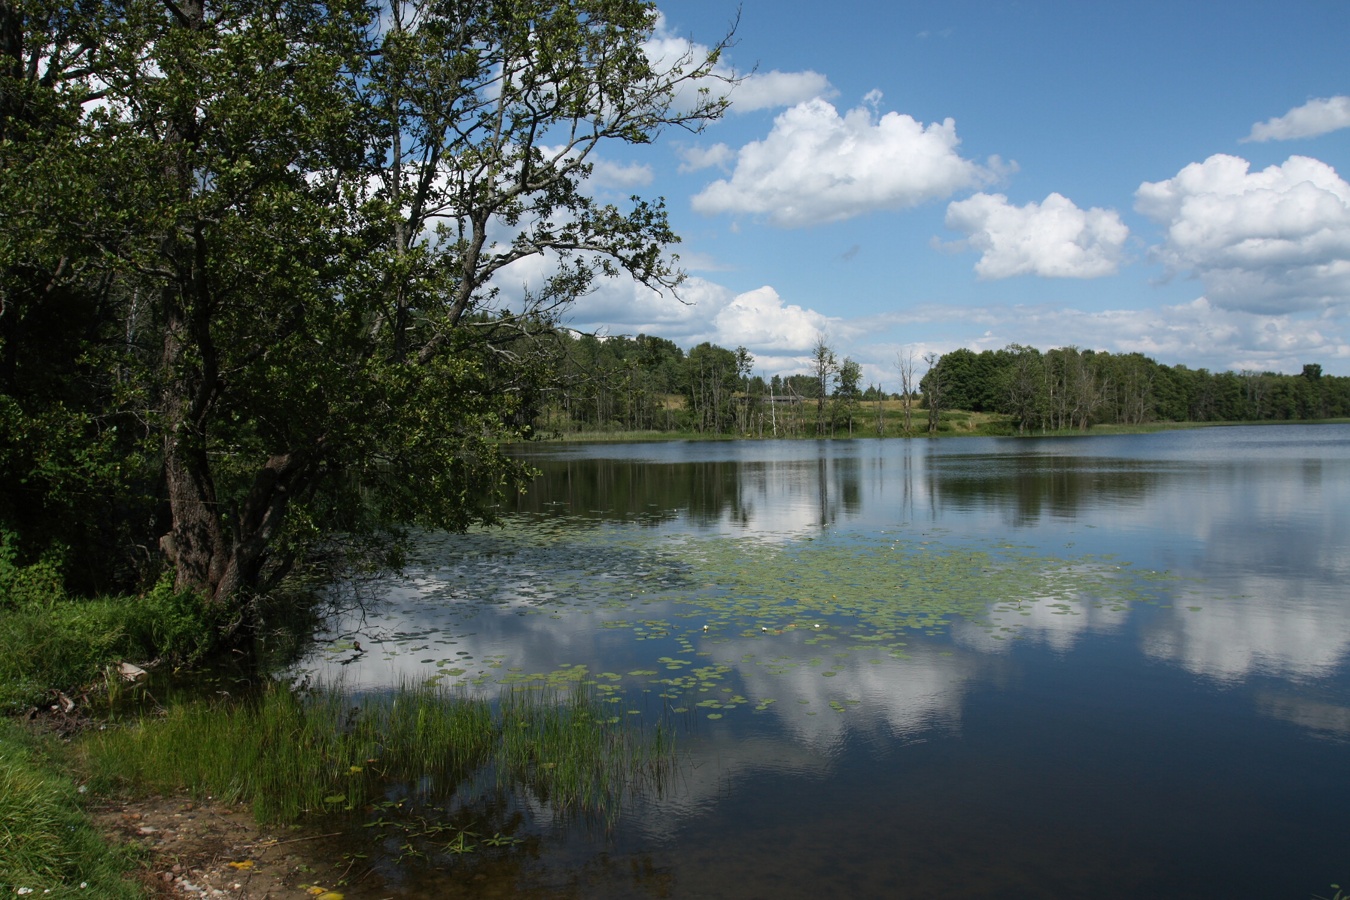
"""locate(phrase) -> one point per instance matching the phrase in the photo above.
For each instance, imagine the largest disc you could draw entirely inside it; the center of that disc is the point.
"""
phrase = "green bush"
(50, 641)
(167, 623)
(22, 586)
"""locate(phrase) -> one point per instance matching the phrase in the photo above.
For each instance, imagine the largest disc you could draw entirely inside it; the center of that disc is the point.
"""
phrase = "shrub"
(50, 641)
(23, 586)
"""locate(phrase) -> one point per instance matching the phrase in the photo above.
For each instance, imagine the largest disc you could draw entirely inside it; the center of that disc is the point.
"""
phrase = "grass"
(627, 437)
(294, 755)
(291, 755)
(319, 756)
(1152, 427)
(48, 848)
(960, 423)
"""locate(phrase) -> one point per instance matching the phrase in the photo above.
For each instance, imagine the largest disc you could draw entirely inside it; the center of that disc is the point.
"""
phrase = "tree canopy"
(1066, 387)
(250, 259)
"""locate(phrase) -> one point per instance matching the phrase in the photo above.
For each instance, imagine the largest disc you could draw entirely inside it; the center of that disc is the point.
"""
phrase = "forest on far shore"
(647, 383)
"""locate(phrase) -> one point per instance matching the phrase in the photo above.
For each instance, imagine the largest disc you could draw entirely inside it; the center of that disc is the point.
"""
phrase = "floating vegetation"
(813, 603)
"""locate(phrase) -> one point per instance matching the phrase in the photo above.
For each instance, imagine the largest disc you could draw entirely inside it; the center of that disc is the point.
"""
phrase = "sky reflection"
(1077, 654)
(1257, 537)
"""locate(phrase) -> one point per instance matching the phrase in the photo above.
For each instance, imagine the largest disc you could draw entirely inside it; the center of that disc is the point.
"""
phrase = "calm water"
(1089, 667)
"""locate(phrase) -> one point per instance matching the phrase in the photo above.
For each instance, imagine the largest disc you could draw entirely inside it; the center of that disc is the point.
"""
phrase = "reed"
(295, 754)
(568, 751)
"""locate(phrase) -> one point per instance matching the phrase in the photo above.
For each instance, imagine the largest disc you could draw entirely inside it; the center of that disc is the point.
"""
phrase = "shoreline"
(988, 427)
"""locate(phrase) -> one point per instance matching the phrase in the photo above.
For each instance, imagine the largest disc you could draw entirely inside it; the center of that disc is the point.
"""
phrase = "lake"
(1100, 666)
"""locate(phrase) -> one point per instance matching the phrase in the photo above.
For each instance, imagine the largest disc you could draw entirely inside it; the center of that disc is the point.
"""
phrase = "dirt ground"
(208, 849)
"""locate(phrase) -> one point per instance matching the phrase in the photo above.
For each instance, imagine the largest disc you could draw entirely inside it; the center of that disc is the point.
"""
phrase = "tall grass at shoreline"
(52, 641)
(293, 755)
(570, 752)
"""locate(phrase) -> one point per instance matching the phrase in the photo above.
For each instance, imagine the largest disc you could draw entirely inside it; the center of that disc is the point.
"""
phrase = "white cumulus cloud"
(609, 174)
(695, 158)
(759, 319)
(623, 306)
(819, 166)
(757, 90)
(1054, 239)
(1272, 241)
(768, 90)
(704, 311)
(1313, 118)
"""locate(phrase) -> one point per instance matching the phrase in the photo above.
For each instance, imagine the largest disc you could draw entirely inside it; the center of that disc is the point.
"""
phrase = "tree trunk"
(205, 558)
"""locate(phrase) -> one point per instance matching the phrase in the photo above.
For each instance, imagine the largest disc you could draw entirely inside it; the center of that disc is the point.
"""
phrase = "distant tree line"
(1068, 388)
(648, 383)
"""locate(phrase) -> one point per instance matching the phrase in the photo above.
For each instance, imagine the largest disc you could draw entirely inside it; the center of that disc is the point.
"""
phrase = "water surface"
(1106, 666)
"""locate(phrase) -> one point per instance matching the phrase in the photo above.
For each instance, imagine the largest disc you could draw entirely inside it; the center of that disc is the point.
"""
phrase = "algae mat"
(697, 607)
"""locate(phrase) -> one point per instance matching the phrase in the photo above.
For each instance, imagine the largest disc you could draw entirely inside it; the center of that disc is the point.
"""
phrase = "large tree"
(934, 387)
(848, 389)
(296, 215)
(824, 369)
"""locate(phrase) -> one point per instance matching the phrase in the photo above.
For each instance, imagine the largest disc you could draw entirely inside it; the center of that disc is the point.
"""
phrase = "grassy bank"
(414, 766)
(58, 650)
(318, 756)
(294, 756)
(1152, 427)
(954, 422)
(47, 846)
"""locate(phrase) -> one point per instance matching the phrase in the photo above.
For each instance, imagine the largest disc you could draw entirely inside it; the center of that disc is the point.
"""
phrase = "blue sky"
(1167, 178)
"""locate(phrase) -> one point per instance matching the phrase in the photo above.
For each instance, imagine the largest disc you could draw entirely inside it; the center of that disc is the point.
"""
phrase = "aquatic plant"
(293, 754)
(781, 605)
(568, 751)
